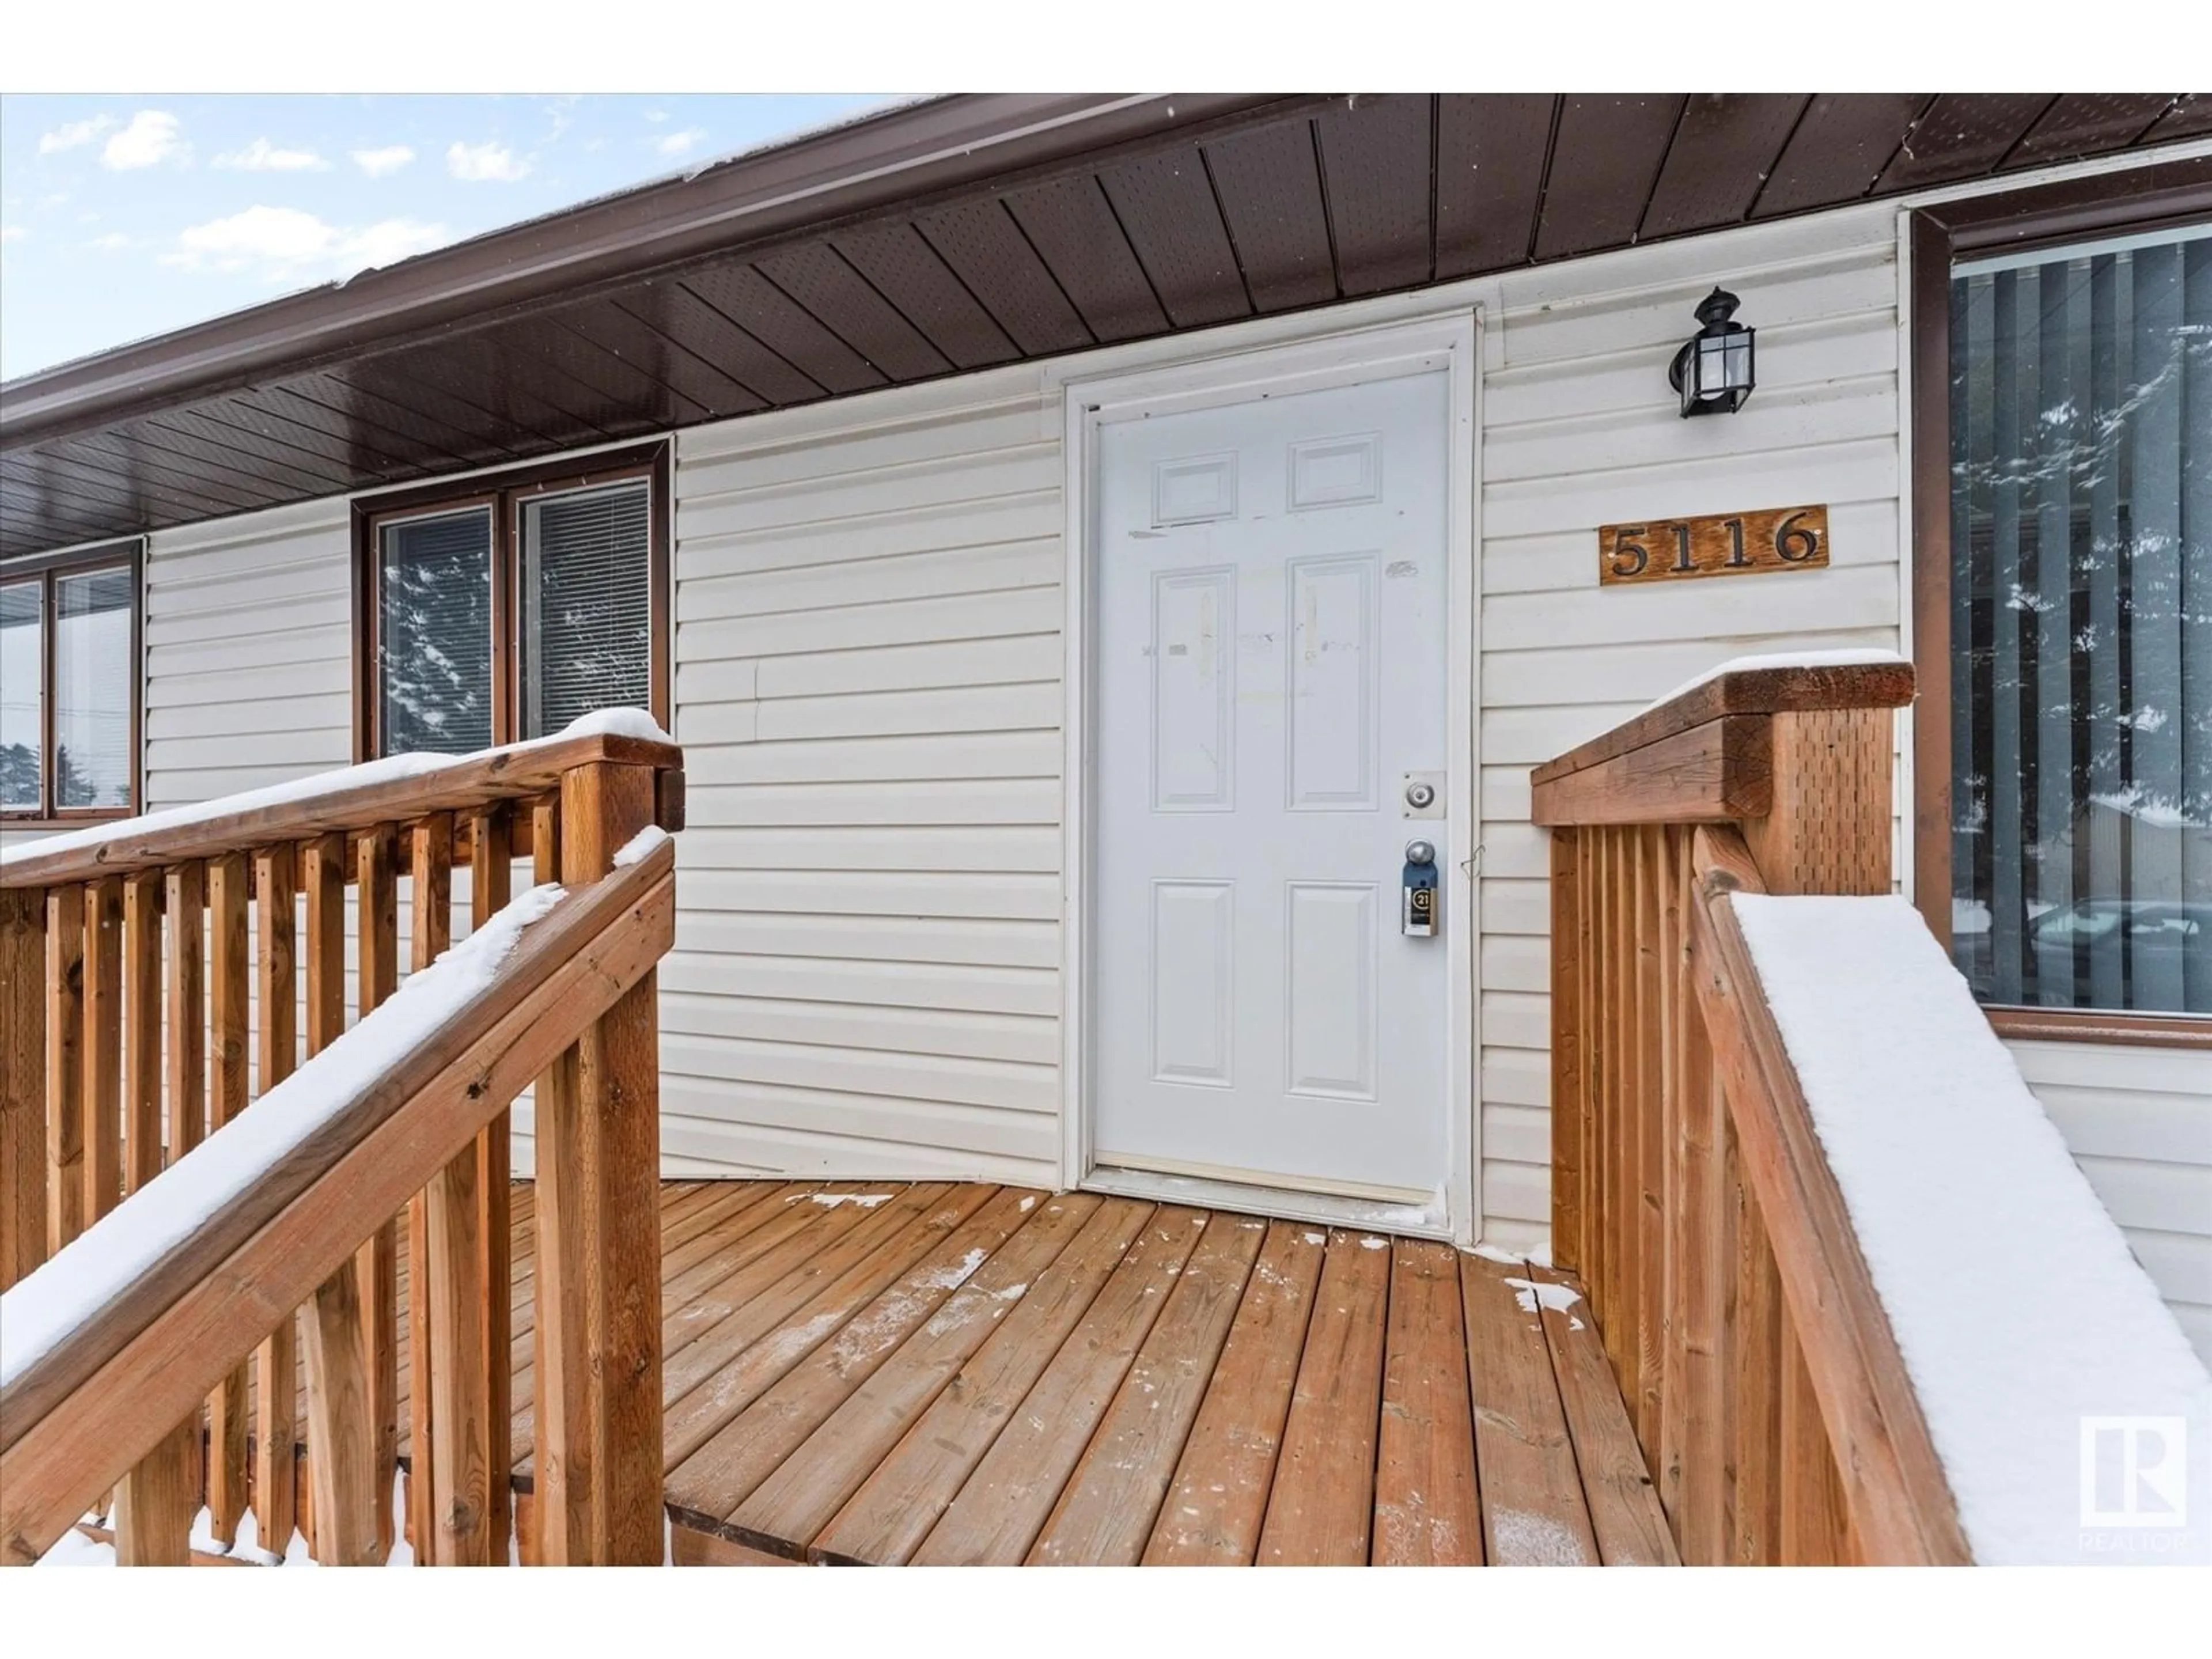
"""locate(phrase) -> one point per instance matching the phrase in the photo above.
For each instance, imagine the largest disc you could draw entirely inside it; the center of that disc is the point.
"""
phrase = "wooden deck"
(943, 1373)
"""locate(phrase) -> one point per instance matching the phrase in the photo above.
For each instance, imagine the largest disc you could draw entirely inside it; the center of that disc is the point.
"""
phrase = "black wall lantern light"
(1713, 370)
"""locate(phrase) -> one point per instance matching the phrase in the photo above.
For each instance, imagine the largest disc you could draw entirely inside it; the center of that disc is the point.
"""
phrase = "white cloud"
(389, 158)
(149, 140)
(70, 135)
(113, 242)
(12, 233)
(388, 241)
(677, 144)
(262, 156)
(490, 161)
(277, 244)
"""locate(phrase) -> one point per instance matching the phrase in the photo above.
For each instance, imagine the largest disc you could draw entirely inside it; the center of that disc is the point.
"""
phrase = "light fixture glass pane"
(1712, 366)
(93, 669)
(23, 721)
(1739, 361)
(587, 565)
(2081, 626)
(434, 634)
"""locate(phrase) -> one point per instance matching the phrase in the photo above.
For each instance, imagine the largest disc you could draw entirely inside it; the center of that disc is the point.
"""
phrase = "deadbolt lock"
(1424, 794)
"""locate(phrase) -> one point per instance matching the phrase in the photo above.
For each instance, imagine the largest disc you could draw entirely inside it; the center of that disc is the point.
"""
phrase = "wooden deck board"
(882, 1372)
(1323, 1506)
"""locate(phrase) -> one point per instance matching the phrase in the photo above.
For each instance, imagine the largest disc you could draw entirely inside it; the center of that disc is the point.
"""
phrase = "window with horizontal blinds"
(2081, 624)
(22, 695)
(587, 602)
(94, 670)
(435, 658)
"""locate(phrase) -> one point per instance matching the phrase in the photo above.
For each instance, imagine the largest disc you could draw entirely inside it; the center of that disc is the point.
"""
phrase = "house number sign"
(1718, 544)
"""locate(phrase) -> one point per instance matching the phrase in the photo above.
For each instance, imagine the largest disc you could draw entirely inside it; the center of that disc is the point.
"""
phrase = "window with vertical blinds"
(434, 633)
(587, 599)
(2081, 624)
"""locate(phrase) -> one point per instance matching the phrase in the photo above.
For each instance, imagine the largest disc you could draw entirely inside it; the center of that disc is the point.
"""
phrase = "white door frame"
(1446, 342)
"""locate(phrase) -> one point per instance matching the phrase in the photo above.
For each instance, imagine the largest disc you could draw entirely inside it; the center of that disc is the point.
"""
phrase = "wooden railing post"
(598, 1459)
(23, 1082)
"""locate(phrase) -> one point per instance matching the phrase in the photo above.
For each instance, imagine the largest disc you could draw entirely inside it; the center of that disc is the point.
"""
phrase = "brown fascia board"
(865, 165)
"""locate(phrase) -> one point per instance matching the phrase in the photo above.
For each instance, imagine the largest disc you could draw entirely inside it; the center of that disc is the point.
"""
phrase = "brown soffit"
(897, 156)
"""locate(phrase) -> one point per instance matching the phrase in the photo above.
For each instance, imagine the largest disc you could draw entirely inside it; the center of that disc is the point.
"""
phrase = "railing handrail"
(84, 1411)
(1900, 1502)
(353, 799)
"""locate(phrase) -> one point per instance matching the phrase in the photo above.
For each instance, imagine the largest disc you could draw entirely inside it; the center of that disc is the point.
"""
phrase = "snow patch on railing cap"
(634, 850)
(60, 1297)
(1843, 657)
(614, 723)
(2022, 1315)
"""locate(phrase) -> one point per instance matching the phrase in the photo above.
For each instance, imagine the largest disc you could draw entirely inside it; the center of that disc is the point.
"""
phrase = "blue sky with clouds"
(121, 217)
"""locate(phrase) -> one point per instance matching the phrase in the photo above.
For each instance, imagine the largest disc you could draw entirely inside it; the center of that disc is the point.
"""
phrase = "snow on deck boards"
(889, 1372)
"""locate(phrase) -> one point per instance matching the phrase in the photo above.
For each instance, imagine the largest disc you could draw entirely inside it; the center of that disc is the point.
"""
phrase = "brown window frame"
(2172, 194)
(504, 494)
(49, 569)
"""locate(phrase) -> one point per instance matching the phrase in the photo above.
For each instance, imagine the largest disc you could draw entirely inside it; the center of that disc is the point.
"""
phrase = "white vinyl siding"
(2139, 1122)
(868, 660)
(249, 652)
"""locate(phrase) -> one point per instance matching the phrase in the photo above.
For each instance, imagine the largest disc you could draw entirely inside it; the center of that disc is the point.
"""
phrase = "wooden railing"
(153, 980)
(1689, 1189)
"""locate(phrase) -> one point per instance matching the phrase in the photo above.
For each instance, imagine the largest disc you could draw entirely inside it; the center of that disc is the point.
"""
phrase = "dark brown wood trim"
(1929, 475)
(502, 493)
(2139, 198)
(46, 568)
(2087, 1026)
(2147, 198)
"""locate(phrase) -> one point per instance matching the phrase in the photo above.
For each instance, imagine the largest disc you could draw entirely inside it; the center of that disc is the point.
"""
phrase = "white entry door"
(1271, 664)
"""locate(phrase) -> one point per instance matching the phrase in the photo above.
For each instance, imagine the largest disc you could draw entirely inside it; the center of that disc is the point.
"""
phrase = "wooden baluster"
(23, 1082)
(103, 1047)
(153, 1503)
(598, 1454)
(1810, 1532)
(491, 872)
(1654, 1127)
(559, 1516)
(277, 1399)
(341, 1441)
(230, 958)
(1755, 1375)
(1589, 882)
(446, 1516)
(1570, 1164)
(1700, 1515)
(377, 873)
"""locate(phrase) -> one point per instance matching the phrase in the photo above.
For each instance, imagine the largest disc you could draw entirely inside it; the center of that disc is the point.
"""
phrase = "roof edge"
(828, 174)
